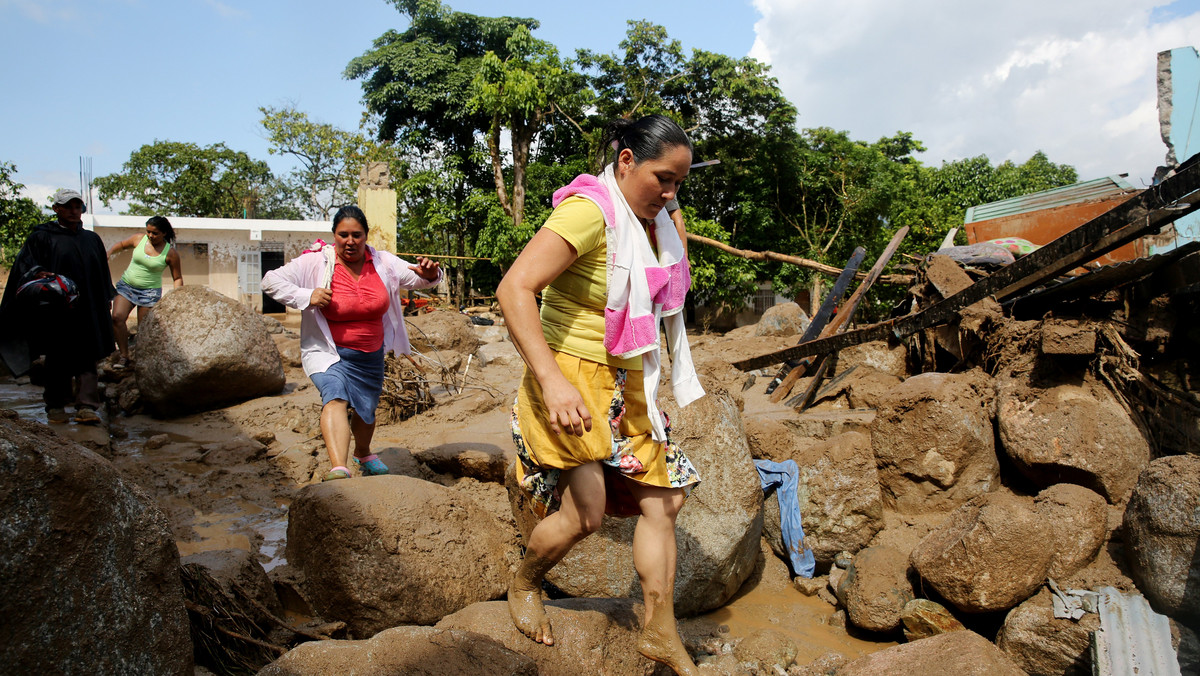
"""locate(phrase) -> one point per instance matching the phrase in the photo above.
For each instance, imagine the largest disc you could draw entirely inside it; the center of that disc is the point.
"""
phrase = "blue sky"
(1075, 78)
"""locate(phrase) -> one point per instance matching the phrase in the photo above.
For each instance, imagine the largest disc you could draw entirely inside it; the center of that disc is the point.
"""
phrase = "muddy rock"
(1075, 432)
(980, 558)
(500, 354)
(289, 350)
(592, 636)
(387, 550)
(1078, 518)
(766, 649)
(923, 618)
(297, 462)
(962, 653)
(934, 441)
(1162, 535)
(482, 462)
(415, 651)
(839, 496)
(866, 386)
(443, 330)
(89, 564)
(239, 574)
(885, 356)
(184, 363)
(876, 588)
(785, 319)
(1041, 644)
(717, 531)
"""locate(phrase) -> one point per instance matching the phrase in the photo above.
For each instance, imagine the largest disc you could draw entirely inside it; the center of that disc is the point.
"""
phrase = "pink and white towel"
(642, 289)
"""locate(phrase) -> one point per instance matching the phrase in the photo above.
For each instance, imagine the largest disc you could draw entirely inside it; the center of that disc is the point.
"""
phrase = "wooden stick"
(793, 260)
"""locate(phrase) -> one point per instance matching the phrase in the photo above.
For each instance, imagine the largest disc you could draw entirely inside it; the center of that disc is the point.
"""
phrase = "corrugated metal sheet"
(1133, 640)
(1086, 191)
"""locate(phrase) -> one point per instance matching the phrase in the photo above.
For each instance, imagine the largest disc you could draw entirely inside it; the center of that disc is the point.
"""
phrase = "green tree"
(719, 280)
(18, 215)
(520, 92)
(330, 158)
(185, 179)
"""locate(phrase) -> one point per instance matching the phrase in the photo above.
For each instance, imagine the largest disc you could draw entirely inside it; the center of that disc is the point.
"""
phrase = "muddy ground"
(213, 475)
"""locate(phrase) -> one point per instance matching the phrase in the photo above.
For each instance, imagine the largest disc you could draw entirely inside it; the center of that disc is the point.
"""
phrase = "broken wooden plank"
(1148, 211)
(843, 319)
(826, 310)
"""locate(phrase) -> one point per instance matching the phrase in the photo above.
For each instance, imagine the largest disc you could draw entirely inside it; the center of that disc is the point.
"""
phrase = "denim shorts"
(139, 297)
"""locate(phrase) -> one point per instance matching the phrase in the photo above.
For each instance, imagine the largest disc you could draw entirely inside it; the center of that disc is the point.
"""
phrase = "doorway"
(270, 261)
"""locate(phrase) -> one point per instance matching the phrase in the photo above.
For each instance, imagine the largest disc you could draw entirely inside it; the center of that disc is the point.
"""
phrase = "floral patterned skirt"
(623, 446)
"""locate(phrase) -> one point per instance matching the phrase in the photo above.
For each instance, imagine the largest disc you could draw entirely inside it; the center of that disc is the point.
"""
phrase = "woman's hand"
(320, 297)
(565, 409)
(425, 269)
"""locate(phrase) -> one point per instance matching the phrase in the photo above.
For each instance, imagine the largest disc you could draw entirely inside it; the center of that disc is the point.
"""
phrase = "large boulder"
(88, 564)
(381, 551)
(962, 653)
(717, 531)
(1078, 518)
(989, 554)
(199, 349)
(413, 651)
(443, 330)
(934, 441)
(876, 588)
(1043, 645)
(839, 498)
(1162, 535)
(785, 319)
(592, 636)
(1074, 431)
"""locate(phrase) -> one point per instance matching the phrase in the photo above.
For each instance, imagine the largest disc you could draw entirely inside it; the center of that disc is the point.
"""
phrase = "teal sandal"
(371, 465)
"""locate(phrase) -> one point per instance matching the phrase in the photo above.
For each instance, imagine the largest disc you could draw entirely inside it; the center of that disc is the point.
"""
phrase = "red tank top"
(355, 314)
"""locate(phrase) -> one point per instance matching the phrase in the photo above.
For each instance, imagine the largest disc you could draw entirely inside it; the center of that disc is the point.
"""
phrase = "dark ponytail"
(648, 138)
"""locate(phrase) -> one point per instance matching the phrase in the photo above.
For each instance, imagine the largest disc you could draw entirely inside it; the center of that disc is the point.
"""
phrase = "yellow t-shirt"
(573, 304)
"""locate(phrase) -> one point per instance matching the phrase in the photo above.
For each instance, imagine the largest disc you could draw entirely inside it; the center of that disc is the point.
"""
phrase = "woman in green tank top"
(141, 285)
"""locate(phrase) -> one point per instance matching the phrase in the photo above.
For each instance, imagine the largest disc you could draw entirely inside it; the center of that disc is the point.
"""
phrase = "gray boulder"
(989, 554)
(717, 531)
(199, 349)
(1162, 535)
(413, 651)
(934, 441)
(381, 551)
(785, 319)
(88, 562)
(1076, 431)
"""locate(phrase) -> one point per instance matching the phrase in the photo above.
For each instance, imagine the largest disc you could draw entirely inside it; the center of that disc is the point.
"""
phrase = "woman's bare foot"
(525, 599)
(660, 640)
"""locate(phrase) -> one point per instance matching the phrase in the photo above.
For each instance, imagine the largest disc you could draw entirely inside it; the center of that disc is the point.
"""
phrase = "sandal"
(371, 465)
(338, 472)
(86, 416)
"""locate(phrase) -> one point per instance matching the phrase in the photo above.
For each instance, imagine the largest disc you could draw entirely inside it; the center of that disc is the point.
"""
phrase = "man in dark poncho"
(73, 336)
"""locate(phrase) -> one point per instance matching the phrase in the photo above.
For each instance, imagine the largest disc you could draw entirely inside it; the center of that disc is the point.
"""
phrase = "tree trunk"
(498, 167)
(522, 138)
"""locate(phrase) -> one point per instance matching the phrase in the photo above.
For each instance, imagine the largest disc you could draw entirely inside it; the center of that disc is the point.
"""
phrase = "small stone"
(156, 441)
(827, 596)
(838, 619)
(923, 618)
(809, 586)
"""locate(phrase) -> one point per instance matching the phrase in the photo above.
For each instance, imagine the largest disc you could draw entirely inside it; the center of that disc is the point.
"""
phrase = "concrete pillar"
(378, 201)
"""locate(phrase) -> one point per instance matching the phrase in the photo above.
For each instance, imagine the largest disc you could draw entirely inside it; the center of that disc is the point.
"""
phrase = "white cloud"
(1072, 78)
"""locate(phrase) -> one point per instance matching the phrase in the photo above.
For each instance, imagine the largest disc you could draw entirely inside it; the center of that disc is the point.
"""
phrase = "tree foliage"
(18, 215)
(185, 179)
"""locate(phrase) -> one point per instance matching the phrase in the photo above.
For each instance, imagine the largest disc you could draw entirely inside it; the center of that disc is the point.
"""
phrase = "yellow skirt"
(620, 438)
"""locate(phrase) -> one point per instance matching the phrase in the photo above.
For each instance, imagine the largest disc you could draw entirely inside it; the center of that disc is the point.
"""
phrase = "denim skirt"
(356, 378)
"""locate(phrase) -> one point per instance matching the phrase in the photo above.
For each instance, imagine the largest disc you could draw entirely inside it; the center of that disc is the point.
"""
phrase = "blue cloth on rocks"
(785, 478)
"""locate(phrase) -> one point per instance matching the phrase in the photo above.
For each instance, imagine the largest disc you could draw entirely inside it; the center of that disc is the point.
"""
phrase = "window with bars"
(249, 272)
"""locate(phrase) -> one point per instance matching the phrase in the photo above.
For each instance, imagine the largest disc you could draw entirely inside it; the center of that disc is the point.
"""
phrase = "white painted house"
(228, 255)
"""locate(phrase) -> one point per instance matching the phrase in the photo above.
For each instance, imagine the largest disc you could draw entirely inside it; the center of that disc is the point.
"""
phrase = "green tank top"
(145, 272)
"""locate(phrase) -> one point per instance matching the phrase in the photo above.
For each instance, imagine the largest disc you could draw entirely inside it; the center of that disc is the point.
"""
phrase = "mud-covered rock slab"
(876, 589)
(934, 441)
(1070, 432)
(381, 551)
(413, 651)
(591, 636)
(88, 564)
(839, 498)
(1162, 535)
(717, 531)
(1078, 519)
(989, 554)
(200, 349)
(962, 653)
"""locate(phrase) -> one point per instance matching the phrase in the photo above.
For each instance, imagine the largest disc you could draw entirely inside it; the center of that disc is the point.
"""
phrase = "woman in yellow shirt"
(578, 469)
(141, 285)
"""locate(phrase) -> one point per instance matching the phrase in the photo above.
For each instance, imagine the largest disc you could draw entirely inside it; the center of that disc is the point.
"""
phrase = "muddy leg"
(654, 558)
(580, 515)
